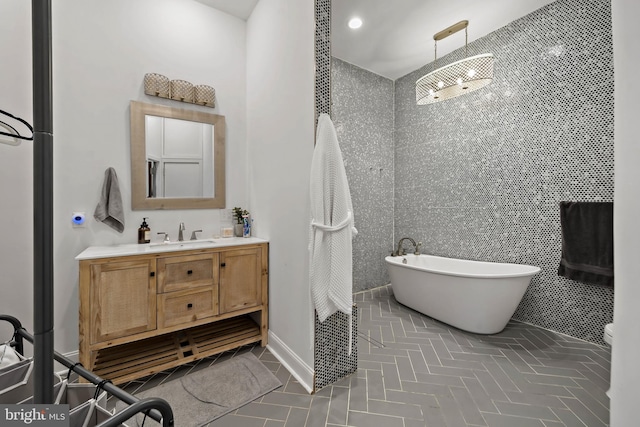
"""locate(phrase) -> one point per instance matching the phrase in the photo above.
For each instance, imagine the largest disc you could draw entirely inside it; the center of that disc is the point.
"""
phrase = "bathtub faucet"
(400, 251)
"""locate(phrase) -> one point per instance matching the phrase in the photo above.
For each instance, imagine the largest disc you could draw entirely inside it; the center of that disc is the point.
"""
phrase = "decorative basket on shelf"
(179, 90)
(182, 90)
(205, 95)
(156, 85)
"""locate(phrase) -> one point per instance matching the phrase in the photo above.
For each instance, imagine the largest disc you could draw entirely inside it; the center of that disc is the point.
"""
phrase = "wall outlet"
(78, 220)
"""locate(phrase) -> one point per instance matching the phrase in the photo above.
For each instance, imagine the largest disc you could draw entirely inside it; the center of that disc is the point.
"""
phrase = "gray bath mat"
(200, 397)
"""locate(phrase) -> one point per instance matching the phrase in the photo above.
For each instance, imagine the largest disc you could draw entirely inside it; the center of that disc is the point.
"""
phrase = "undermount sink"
(181, 245)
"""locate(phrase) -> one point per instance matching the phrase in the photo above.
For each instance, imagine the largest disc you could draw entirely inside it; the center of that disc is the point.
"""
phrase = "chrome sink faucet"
(400, 251)
(180, 230)
(193, 234)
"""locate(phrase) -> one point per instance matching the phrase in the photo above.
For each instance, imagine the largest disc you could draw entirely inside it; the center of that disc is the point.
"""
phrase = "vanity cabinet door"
(122, 298)
(240, 279)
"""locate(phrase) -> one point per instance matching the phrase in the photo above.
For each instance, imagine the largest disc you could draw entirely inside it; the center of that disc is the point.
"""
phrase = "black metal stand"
(159, 409)
(42, 201)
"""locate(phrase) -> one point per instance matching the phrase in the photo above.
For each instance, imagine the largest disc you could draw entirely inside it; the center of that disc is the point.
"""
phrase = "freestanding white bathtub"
(474, 296)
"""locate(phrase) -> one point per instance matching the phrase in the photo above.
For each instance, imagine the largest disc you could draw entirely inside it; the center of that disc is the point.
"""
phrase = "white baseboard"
(73, 356)
(300, 370)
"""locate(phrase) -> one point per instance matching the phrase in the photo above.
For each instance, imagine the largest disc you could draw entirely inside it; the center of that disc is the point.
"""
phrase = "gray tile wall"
(480, 176)
(332, 360)
(323, 56)
(362, 112)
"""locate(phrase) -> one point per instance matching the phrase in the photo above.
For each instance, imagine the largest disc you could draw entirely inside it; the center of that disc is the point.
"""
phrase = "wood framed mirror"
(177, 158)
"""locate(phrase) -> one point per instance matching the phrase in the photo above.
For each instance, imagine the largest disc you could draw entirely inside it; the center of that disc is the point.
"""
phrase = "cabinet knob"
(222, 264)
(152, 274)
(189, 271)
(189, 305)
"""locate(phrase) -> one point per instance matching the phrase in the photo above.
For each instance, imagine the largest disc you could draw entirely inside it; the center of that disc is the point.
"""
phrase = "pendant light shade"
(457, 78)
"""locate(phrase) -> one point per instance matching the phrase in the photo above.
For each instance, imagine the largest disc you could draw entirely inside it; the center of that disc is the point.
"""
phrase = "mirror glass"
(177, 158)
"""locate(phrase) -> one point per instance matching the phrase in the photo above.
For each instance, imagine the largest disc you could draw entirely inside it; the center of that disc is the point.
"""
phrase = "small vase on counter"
(246, 226)
(238, 230)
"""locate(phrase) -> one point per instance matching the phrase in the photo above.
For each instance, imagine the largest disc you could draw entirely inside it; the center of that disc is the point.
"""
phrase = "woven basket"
(181, 90)
(205, 95)
(156, 85)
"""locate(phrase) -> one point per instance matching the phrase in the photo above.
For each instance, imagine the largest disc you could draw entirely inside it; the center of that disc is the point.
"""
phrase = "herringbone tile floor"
(415, 371)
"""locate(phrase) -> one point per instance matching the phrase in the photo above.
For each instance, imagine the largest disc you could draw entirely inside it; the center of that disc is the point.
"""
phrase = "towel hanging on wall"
(332, 227)
(587, 242)
(109, 209)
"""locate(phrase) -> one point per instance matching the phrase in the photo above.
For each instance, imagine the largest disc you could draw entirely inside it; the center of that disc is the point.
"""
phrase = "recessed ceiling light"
(355, 23)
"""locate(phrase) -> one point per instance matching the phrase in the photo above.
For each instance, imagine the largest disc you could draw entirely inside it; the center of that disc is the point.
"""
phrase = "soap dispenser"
(144, 232)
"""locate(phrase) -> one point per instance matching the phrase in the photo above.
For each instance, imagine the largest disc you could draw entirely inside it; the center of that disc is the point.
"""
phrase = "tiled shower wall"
(480, 176)
(362, 112)
(331, 357)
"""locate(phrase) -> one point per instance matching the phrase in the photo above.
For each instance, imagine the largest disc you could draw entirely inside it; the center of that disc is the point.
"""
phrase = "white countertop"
(93, 252)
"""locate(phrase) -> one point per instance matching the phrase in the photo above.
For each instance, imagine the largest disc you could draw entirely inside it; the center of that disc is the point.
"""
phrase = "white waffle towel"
(332, 227)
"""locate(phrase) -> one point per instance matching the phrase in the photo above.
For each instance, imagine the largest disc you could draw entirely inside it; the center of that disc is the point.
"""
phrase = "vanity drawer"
(175, 308)
(187, 272)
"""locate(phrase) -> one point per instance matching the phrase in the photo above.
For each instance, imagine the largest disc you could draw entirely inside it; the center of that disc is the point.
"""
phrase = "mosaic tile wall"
(480, 176)
(331, 360)
(362, 111)
(323, 56)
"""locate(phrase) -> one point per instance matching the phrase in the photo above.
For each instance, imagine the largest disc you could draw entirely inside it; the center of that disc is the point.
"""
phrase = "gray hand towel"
(109, 209)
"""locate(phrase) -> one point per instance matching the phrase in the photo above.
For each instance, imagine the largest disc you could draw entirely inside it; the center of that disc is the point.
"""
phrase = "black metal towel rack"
(159, 409)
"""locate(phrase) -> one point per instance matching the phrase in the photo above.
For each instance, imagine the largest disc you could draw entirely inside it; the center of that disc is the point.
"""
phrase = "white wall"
(625, 370)
(280, 134)
(101, 52)
(16, 176)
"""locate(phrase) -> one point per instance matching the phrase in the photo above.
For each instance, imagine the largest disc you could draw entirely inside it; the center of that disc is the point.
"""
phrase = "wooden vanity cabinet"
(141, 314)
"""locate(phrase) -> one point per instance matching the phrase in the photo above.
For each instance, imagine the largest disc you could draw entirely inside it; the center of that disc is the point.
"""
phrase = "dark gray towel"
(109, 209)
(587, 242)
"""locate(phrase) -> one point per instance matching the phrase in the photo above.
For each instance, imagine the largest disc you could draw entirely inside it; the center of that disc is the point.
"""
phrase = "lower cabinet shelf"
(137, 359)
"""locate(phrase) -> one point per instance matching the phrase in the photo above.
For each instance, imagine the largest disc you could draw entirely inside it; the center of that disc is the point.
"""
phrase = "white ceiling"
(239, 8)
(397, 35)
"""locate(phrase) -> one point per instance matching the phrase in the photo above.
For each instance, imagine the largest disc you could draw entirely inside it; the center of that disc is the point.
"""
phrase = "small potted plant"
(239, 213)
